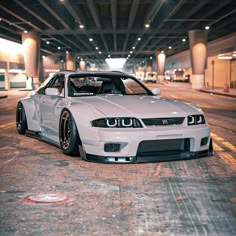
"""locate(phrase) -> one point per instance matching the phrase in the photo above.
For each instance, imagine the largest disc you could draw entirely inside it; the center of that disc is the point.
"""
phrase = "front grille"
(163, 147)
(163, 121)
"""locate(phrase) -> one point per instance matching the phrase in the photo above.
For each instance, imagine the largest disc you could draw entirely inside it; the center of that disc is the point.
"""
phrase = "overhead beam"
(34, 14)
(53, 13)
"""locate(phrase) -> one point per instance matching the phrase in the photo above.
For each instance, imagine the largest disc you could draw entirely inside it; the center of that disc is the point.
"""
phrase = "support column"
(161, 60)
(70, 61)
(82, 65)
(31, 45)
(149, 65)
(7, 78)
(198, 52)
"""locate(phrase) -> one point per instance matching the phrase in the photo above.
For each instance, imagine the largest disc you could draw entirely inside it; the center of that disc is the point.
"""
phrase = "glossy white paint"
(43, 114)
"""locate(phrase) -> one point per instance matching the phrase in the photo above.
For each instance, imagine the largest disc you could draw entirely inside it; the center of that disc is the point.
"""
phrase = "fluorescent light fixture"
(225, 57)
(116, 63)
(234, 54)
(17, 71)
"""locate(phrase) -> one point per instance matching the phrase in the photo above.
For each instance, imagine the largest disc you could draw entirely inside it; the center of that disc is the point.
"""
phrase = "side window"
(57, 81)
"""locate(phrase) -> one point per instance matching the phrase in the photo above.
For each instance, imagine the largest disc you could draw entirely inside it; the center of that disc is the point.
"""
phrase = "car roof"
(94, 73)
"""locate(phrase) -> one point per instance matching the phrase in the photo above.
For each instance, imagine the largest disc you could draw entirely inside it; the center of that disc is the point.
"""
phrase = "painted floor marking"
(7, 125)
(230, 159)
(217, 147)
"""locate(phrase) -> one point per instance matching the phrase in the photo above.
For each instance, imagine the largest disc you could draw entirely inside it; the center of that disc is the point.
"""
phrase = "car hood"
(139, 106)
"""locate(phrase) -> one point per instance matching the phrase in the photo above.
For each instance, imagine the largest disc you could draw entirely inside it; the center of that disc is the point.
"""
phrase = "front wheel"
(21, 122)
(68, 134)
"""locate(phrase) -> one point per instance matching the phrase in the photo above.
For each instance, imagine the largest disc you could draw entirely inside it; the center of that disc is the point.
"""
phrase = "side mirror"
(52, 92)
(156, 91)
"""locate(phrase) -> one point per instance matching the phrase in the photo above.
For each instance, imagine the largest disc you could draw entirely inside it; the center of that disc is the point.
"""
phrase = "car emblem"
(165, 122)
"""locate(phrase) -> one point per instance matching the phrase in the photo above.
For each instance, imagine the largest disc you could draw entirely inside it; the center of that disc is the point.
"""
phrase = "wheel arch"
(31, 115)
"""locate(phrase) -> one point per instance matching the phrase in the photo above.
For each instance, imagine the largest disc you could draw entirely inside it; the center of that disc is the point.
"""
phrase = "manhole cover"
(47, 198)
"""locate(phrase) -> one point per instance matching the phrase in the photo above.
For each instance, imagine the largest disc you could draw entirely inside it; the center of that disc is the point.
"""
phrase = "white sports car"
(111, 117)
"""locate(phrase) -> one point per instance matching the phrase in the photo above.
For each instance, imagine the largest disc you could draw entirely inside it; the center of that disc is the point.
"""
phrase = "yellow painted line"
(7, 125)
(225, 143)
(229, 159)
(217, 148)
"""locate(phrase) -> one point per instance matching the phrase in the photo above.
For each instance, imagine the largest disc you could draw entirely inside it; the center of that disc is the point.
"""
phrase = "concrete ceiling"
(114, 26)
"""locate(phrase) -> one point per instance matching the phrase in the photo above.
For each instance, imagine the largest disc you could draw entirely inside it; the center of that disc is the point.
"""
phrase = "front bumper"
(153, 145)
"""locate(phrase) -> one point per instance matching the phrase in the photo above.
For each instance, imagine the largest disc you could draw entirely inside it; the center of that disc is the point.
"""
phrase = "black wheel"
(21, 122)
(68, 134)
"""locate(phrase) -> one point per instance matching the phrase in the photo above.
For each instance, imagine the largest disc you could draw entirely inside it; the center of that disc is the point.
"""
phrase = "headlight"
(119, 122)
(196, 120)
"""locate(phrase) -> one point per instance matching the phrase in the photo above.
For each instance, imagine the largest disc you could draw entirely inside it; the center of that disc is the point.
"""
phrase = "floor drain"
(47, 198)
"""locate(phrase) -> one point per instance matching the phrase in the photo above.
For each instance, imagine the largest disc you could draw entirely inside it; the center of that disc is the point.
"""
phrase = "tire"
(68, 134)
(21, 121)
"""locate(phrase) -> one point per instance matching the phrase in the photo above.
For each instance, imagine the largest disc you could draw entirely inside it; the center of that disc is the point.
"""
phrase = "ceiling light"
(133, 47)
(81, 26)
(0, 19)
(139, 39)
(58, 48)
(131, 52)
(225, 57)
(207, 27)
(25, 31)
(43, 56)
(100, 52)
(150, 57)
(109, 55)
(184, 40)
(77, 57)
(47, 42)
(147, 25)
(234, 54)
(97, 48)
(67, 52)
(170, 47)
(90, 39)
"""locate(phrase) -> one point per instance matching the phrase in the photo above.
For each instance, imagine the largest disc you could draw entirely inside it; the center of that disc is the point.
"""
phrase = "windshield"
(102, 85)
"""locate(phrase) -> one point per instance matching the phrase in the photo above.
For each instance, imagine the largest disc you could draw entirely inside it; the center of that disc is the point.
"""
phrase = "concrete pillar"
(82, 65)
(149, 65)
(198, 52)
(7, 78)
(31, 45)
(161, 60)
(70, 61)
